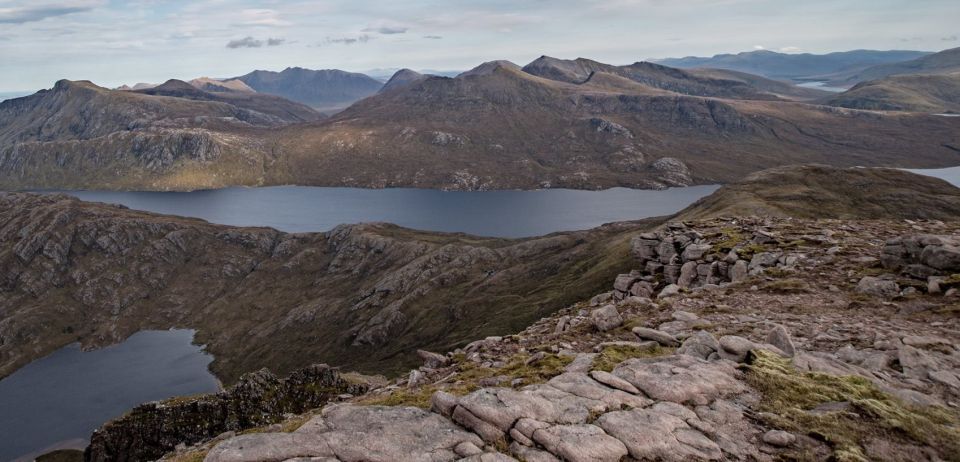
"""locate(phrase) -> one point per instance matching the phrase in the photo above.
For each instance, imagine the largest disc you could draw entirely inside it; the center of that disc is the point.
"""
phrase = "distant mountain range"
(802, 66)
(325, 90)
(552, 123)
(944, 62)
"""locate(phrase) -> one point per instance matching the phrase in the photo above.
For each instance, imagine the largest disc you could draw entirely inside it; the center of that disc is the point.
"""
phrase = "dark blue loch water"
(59, 400)
(482, 213)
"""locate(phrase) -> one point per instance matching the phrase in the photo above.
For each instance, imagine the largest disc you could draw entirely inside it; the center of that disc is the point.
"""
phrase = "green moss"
(470, 375)
(729, 239)
(748, 251)
(613, 355)
(790, 395)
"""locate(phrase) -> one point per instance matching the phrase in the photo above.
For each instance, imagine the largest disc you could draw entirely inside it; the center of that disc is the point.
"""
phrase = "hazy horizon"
(113, 42)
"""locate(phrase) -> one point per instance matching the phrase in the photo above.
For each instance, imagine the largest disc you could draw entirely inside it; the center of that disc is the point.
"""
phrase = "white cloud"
(24, 12)
(790, 49)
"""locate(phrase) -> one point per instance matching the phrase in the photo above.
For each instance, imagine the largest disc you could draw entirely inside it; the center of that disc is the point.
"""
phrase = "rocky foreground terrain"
(733, 339)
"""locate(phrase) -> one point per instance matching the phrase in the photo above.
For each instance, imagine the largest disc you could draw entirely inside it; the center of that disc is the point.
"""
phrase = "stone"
(924, 341)
(666, 251)
(695, 252)
(488, 457)
(433, 360)
(915, 362)
(641, 289)
(671, 290)
(584, 386)
(624, 281)
(529, 454)
(606, 318)
(343, 431)
(764, 259)
(739, 271)
(685, 316)
(780, 338)
(699, 345)
(580, 443)
(878, 287)
(416, 378)
(467, 449)
(947, 378)
(443, 403)
(583, 362)
(487, 431)
(651, 435)
(688, 273)
(942, 257)
(671, 273)
(611, 380)
(735, 348)
(660, 337)
(680, 378)
(779, 438)
(501, 407)
(562, 325)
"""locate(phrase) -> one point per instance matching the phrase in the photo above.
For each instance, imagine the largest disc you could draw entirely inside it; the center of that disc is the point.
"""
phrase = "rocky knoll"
(821, 191)
(364, 295)
(257, 399)
(797, 360)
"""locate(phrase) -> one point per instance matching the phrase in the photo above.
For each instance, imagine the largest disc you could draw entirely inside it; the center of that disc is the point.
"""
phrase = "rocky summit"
(742, 338)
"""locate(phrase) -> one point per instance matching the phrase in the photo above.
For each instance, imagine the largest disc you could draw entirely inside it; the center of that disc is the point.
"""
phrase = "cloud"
(759, 47)
(347, 40)
(387, 30)
(38, 11)
(250, 42)
(261, 17)
(790, 49)
(433, 37)
(952, 38)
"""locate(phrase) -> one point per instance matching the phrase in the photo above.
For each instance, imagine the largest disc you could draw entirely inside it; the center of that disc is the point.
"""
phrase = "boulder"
(580, 443)
(611, 380)
(735, 348)
(942, 257)
(878, 287)
(652, 435)
(606, 318)
(699, 345)
(671, 290)
(624, 281)
(779, 438)
(688, 273)
(432, 360)
(780, 338)
(680, 378)
(660, 337)
(739, 271)
(695, 252)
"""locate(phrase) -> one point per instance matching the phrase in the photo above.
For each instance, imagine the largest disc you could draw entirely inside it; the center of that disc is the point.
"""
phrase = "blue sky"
(115, 42)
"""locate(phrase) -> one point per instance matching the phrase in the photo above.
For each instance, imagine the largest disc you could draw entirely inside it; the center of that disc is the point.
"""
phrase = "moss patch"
(790, 395)
(613, 355)
(469, 377)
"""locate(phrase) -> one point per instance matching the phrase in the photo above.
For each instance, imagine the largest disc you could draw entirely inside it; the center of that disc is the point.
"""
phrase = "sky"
(114, 42)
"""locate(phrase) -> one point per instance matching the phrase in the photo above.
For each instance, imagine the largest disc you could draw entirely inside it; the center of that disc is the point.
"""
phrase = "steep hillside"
(694, 83)
(919, 93)
(509, 129)
(795, 66)
(362, 295)
(402, 78)
(283, 110)
(820, 191)
(214, 85)
(324, 90)
(944, 62)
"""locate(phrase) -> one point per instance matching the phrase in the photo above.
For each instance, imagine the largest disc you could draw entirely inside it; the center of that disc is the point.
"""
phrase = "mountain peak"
(490, 67)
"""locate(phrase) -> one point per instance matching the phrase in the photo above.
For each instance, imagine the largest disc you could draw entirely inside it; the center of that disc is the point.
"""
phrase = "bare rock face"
(153, 429)
(342, 432)
(680, 379)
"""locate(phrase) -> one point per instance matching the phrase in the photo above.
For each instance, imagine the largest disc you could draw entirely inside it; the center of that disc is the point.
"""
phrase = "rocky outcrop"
(260, 398)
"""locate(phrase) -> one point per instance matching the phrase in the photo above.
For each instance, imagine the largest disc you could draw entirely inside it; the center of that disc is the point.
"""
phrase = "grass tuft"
(613, 355)
(790, 395)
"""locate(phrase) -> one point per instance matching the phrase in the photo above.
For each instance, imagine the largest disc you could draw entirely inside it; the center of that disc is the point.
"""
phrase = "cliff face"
(151, 430)
(363, 295)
